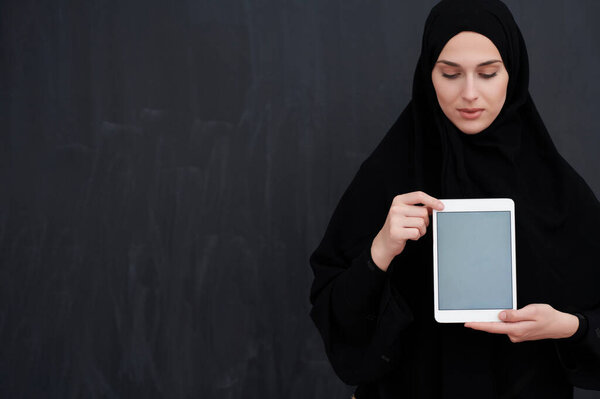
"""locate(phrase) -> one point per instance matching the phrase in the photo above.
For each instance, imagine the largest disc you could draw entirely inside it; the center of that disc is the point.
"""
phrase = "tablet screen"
(474, 260)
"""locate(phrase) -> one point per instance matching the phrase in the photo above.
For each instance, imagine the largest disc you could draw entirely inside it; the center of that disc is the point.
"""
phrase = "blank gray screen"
(474, 260)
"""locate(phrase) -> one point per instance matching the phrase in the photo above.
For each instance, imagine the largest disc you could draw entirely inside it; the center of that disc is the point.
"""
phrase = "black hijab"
(557, 215)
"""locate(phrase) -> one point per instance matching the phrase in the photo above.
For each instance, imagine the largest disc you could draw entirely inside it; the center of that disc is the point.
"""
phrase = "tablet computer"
(474, 260)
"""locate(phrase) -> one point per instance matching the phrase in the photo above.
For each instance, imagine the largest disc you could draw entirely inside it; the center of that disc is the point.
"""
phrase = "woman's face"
(470, 81)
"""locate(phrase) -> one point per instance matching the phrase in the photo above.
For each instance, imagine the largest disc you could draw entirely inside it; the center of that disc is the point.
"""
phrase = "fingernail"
(502, 315)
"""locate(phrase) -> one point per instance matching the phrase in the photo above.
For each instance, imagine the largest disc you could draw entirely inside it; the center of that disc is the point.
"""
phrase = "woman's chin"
(471, 127)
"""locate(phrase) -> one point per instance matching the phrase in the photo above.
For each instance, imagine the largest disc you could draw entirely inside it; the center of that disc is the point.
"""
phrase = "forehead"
(469, 47)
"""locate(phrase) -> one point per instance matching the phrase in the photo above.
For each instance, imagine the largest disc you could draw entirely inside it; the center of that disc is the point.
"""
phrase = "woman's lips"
(470, 113)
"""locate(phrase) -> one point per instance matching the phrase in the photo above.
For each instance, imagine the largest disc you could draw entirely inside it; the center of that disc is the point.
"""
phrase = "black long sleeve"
(353, 306)
(360, 319)
(355, 298)
(580, 354)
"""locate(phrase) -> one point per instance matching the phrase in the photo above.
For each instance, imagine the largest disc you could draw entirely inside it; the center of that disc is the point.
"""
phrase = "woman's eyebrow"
(454, 64)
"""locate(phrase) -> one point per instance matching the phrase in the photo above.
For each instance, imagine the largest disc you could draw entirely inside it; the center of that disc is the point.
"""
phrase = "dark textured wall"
(166, 168)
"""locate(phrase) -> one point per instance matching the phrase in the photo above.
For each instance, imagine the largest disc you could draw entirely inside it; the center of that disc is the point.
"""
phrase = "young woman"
(471, 130)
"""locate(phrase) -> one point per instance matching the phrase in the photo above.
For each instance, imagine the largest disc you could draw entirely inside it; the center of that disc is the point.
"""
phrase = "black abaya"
(378, 327)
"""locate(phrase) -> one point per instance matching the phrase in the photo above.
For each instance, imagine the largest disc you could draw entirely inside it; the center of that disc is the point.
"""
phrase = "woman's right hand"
(405, 221)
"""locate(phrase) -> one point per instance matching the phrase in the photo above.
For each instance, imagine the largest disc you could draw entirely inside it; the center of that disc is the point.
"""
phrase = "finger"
(514, 315)
(417, 222)
(493, 327)
(413, 210)
(412, 233)
(419, 197)
(416, 211)
(399, 232)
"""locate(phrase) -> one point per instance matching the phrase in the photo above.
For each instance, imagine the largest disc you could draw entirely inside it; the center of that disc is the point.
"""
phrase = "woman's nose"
(469, 92)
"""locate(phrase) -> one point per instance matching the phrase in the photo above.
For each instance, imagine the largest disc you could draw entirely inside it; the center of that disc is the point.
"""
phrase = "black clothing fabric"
(378, 327)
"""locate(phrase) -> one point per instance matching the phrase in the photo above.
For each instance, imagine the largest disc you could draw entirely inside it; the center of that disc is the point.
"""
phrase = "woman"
(471, 130)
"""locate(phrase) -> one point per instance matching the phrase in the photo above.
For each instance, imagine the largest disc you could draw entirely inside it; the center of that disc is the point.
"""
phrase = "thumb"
(511, 315)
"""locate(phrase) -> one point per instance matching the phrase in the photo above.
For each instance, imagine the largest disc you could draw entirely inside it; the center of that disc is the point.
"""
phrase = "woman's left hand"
(532, 322)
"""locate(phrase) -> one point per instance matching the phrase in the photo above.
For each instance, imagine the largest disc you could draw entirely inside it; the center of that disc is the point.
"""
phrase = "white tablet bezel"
(473, 205)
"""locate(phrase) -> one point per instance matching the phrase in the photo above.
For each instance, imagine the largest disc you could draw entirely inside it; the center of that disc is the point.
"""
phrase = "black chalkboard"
(167, 167)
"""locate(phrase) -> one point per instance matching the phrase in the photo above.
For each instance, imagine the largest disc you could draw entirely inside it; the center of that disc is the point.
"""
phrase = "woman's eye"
(447, 76)
(488, 75)
(456, 75)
